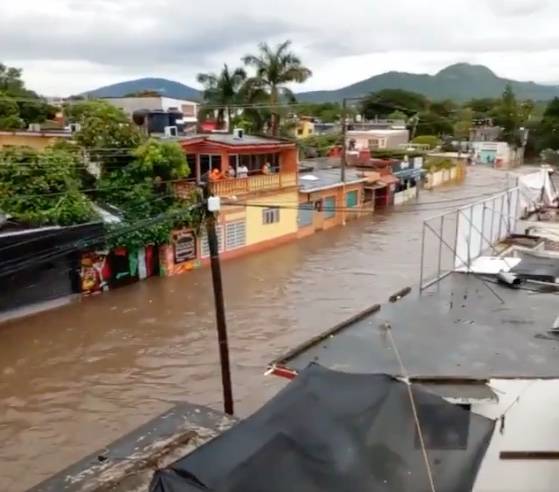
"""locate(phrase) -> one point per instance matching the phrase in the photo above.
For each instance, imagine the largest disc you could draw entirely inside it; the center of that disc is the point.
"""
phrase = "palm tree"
(274, 68)
(222, 91)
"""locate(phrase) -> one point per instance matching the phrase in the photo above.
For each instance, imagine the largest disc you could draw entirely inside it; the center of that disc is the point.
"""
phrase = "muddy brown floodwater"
(76, 378)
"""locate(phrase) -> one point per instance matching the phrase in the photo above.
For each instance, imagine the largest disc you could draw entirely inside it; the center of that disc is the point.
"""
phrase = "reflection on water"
(74, 379)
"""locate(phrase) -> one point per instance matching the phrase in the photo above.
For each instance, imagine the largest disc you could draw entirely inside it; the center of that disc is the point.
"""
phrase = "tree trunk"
(275, 115)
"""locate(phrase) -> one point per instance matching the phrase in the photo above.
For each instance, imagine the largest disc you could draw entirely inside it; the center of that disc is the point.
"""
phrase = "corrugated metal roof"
(328, 178)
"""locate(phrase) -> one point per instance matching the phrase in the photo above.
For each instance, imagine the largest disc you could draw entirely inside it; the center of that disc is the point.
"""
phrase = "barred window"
(235, 235)
(270, 215)
(204, 245)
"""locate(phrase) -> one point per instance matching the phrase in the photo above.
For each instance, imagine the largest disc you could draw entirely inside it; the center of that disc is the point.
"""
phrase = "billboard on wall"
(482, 225)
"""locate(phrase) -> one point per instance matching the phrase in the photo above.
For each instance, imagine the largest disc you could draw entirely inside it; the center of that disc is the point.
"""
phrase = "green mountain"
(459, 82)
(164, 87)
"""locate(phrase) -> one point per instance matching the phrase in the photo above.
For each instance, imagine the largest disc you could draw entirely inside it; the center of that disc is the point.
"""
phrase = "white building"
(498, 154)
(377, 139)
(129, 105)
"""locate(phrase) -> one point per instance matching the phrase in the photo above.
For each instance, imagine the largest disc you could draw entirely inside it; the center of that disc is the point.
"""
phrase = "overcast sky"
(68, 46)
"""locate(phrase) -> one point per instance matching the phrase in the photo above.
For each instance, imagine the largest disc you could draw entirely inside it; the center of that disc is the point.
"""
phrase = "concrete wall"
(405, 195)
(257, 231)
(36, 141)
(387, 139)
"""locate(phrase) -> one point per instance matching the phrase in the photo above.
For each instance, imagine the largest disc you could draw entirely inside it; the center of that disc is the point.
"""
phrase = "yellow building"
(38, 140)
(257, 183)
(305, 127)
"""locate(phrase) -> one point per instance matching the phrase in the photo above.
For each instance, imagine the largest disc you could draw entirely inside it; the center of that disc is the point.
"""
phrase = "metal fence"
(455, 239)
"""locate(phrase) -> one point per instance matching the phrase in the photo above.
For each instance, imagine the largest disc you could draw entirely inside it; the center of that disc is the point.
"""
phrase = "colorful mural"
(95, 272)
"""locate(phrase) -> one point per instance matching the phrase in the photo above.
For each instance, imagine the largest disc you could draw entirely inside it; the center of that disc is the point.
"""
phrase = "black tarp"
(331, 431)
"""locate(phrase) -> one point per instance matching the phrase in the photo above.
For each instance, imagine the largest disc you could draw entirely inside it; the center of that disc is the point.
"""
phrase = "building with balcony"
(256, 178)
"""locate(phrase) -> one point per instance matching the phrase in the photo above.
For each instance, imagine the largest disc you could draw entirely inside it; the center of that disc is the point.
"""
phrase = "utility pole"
(344, 137)
(213, 205)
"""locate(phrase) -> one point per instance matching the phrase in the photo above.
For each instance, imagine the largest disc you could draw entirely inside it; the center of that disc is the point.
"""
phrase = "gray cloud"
(122, 38)
(518, 7)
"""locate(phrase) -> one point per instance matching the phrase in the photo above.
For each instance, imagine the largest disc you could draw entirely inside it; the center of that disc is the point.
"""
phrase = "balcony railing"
(260, 182)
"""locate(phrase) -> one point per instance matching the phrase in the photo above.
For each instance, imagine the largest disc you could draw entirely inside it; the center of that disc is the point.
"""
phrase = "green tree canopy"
(42, 188)
(547, 132)
(106, 133)
(223, 91)
(431, 140)
(142, 190)
(19, 106)
(276, 67)
(507, 115)
(386, 101)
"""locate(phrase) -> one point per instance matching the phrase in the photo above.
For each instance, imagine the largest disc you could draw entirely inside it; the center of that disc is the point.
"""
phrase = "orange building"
(256, 178)
(324, 201)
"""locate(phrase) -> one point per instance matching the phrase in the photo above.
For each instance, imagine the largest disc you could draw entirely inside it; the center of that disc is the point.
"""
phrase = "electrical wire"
(58, 228)
(64, 250)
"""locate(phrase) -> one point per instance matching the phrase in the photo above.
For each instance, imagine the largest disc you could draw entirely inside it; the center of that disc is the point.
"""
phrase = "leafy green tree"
(463, 124)
(482, 108)
(547, 132)
(9, 114)
(276, 67)
(386, 101)
(42, 188)
(433, 124)
(223, 91)
(143, 189)
(10, 81)
(431, 140)
(445, 108)
(507, 115)
(328, 112)
(106, 133)
(30, 108)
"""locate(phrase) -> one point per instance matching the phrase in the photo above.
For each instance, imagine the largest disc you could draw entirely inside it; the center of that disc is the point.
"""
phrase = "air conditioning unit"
(75, 127)
(171, 131)
(238, 133)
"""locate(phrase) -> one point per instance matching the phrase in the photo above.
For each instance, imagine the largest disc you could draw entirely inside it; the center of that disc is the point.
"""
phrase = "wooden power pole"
(212, 204)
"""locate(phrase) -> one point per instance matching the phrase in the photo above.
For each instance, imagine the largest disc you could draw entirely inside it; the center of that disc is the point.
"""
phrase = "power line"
(66, 249)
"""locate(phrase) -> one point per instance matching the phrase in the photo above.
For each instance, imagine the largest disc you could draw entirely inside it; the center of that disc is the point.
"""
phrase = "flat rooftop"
(456, 329)
(320, 179)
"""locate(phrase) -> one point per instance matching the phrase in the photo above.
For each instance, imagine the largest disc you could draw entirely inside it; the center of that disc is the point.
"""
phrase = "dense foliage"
(20, 106)
(42, 188)
(143, 189)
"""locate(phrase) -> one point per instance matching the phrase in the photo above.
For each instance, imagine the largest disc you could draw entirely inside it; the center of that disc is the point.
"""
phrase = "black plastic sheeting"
(331, 431)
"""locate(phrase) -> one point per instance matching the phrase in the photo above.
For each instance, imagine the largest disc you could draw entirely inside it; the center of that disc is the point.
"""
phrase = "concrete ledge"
(128, 463)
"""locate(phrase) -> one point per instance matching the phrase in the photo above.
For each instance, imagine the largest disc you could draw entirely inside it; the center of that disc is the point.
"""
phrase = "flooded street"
(74, 379)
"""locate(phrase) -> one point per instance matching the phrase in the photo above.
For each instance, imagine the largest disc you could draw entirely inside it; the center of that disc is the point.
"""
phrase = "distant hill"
(459, 82)
(165, 87)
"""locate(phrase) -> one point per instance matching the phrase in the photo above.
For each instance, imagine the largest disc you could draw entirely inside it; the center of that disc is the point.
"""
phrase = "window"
(306, 214)
(270, 215)
(191, 160)
(329, 207)
(299, 131)
(234, 162)
(235, 235)
(209, 162)
(351, 199)
(205, 247)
